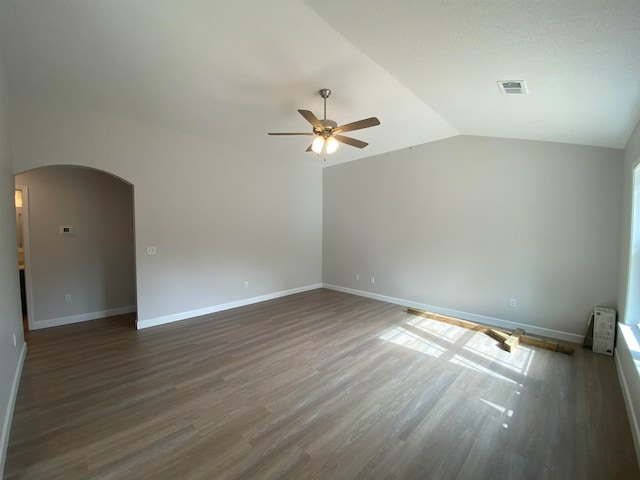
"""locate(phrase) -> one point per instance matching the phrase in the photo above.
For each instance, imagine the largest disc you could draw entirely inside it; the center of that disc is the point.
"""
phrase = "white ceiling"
(235, 70)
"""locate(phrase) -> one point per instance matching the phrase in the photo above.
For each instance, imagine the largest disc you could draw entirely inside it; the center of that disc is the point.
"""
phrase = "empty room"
(309, 240)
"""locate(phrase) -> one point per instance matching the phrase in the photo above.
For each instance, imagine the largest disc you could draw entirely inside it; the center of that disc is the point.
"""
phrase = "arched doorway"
(79, 255)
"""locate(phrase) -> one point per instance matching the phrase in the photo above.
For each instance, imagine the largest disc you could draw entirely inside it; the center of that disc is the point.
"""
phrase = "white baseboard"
(8, 414)
(176, 317)
(496, 322)
(83, 317)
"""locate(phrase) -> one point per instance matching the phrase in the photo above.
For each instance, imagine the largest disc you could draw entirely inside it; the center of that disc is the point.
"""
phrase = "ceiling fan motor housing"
(327, 125)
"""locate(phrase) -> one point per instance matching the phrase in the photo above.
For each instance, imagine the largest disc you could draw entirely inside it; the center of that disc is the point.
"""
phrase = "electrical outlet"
(246, 284)
(373, 279)
(67, 298)
(513, 303)
(151, 250)
(358, 276)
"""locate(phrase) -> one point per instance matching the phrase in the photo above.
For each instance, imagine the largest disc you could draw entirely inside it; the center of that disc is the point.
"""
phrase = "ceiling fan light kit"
(331, 144)
(318, 145)
(327, 131)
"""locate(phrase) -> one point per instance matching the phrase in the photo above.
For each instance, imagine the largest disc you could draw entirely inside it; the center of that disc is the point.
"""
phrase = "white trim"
(628, 401)
(26, 244)
(497, 322)
(83, 317)
(8, 415)
(176, 317)
(626, 394)
(631, 304)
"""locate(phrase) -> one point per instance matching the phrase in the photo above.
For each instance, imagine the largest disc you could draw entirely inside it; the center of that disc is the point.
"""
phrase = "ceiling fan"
(327, 132)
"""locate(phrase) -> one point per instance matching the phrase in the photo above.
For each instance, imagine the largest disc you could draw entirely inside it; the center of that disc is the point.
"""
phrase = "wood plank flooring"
(312, 386)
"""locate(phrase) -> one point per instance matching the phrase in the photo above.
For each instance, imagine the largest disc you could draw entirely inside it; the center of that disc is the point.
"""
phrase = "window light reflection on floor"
(405, 338)
(518, 361)
(508, 413)
(434, 338)
(465, 362)
(476, 351)
(443, 330)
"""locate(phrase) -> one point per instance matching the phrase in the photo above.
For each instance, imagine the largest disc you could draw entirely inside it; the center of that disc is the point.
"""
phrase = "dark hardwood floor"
(316, 385)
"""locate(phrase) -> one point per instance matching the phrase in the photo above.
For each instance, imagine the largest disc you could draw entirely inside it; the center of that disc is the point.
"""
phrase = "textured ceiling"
(233, 71)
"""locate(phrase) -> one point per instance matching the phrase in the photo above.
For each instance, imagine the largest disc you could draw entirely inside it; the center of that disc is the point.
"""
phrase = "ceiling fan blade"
(366, 123)
(309, 149)
(290, 134)
(351, 141)
(311, 118)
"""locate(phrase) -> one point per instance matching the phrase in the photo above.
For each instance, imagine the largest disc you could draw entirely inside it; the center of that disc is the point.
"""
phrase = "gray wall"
(466, 223)
(10, 312)
(218, 214)
(96, 264)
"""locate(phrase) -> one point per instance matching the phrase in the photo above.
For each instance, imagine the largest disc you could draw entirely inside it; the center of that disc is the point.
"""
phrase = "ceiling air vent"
(512, 87)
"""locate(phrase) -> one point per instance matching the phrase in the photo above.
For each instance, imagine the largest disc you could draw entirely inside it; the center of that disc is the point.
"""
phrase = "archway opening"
(78, 257)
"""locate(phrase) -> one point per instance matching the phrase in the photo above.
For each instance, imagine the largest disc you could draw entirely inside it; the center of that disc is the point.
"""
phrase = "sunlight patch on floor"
(499, 408)
(466, 362)
(508, 413)
(518, 361)
(403, 337)
(446, 332)
(496, 362)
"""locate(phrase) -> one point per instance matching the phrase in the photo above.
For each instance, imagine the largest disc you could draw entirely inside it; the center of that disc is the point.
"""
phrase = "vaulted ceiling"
(428, 69)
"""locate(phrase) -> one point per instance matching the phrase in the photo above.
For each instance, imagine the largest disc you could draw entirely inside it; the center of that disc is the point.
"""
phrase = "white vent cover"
(512, 87)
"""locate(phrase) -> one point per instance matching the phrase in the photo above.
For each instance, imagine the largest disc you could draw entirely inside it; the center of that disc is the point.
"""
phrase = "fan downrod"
(324, 93)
